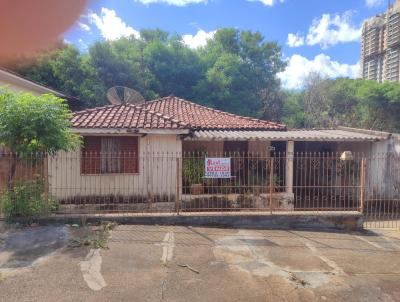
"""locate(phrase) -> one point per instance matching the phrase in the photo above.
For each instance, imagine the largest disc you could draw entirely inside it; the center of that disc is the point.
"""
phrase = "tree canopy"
(31, 123)
(354, 103)
(236, 71)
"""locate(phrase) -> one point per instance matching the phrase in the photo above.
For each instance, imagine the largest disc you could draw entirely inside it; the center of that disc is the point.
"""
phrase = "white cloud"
(173, 2)
(110, 25)
(267, 2)
(295, 40)
(199, 39)
(299, 67)
(83, 26)
(373, 3)
(330, 30)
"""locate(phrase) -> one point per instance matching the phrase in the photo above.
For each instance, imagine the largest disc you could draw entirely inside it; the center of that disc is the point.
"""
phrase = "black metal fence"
(98, 183)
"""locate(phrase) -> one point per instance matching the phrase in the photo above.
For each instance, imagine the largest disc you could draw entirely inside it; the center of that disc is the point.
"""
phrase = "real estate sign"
(217, 167)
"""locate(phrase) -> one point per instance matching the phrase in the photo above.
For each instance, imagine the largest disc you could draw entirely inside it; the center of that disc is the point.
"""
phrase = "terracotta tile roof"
(201, 117)
(167, 113)
(124, 116)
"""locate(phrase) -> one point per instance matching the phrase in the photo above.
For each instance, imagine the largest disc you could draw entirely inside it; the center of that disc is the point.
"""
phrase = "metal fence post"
(178, 191)
(362, 184)
(46, 181)
(271, 185)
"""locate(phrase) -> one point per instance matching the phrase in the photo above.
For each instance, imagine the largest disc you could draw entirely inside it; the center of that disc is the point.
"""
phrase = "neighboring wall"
(156, 178)
(17, 87)
(396, 143)
(17, 83)
(25, 170)
(383, 170)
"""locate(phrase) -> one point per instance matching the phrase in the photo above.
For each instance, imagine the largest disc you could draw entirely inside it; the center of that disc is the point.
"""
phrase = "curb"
(348, 222)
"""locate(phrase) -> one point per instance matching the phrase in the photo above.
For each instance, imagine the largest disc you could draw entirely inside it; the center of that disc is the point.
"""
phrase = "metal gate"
(382, 203)
(328, 182)
(369, 184)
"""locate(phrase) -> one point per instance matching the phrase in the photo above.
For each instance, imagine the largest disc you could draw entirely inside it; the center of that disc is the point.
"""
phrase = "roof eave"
(17, 79)
(309, 135)
(283, 128)
(128, 131)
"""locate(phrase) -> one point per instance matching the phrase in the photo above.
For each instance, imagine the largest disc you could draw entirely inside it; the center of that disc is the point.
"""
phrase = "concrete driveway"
(163, 263)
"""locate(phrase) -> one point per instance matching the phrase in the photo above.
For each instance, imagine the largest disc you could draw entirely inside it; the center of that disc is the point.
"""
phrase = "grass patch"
(97, 240)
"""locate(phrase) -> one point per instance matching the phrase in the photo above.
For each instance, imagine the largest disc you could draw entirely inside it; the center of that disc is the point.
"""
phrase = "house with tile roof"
(16, 82)
(158, 151)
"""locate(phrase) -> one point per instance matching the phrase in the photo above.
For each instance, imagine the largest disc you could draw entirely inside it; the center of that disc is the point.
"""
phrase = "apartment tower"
(380, 46)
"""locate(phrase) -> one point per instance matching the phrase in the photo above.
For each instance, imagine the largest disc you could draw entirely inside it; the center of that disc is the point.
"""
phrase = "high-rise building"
(380, 46)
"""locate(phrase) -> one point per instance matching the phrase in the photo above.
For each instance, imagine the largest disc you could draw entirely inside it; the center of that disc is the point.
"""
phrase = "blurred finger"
(29, 25)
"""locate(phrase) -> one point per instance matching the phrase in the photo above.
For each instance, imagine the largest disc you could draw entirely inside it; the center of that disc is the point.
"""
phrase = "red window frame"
(127, 155)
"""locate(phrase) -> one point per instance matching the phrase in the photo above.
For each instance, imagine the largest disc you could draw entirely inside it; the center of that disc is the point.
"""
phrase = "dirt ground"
(164, 263)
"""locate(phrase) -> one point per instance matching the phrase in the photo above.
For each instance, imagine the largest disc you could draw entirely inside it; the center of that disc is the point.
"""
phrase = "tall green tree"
(347, 102)
(379, 105)
(67, 70)
(236, 71)
(241, 71)
(293, 114)
(156, 65)
(176, 68)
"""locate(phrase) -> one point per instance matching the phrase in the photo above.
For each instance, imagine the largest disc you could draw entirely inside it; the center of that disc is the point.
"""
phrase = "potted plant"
(193, 171)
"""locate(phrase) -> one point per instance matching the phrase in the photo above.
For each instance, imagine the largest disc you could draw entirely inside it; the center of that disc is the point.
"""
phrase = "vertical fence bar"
(46, 181)
(271, 185)
(362, 184)
(178, 193)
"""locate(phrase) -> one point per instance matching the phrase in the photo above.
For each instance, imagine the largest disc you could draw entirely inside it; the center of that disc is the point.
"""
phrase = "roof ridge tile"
(218, 110)
(165, 116)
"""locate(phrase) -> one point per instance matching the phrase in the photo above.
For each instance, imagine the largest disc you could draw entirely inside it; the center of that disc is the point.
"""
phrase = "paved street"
(160, 263)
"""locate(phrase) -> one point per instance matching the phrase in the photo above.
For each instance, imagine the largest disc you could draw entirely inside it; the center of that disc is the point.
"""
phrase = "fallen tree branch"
(189, 267)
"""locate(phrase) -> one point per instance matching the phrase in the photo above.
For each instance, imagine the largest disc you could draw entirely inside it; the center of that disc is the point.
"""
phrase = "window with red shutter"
(110, 154)
(129, 151)
(90, 159)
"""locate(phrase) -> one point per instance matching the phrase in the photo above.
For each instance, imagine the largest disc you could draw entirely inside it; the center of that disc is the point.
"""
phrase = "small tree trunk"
(13, 168)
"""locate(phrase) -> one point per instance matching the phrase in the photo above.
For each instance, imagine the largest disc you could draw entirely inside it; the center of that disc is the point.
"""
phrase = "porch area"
(327, 170)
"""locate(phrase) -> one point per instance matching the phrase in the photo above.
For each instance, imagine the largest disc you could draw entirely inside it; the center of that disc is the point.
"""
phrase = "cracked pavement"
(177, 263)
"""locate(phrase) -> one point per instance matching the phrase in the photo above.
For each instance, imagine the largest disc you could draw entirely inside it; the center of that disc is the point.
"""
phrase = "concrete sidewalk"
(181, 263)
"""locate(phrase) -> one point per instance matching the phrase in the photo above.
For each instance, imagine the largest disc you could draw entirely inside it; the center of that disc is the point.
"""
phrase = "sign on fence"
(217, 167)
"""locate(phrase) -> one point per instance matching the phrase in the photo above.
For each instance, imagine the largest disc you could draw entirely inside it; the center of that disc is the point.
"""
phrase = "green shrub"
(193, 170)
(26, 200)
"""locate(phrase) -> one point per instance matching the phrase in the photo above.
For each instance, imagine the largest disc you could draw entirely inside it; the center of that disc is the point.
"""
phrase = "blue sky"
(315, 35)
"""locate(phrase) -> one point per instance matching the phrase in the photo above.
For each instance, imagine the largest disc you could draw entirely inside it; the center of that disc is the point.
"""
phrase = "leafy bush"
(26, 200)
(193, 170)
(30, 124)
